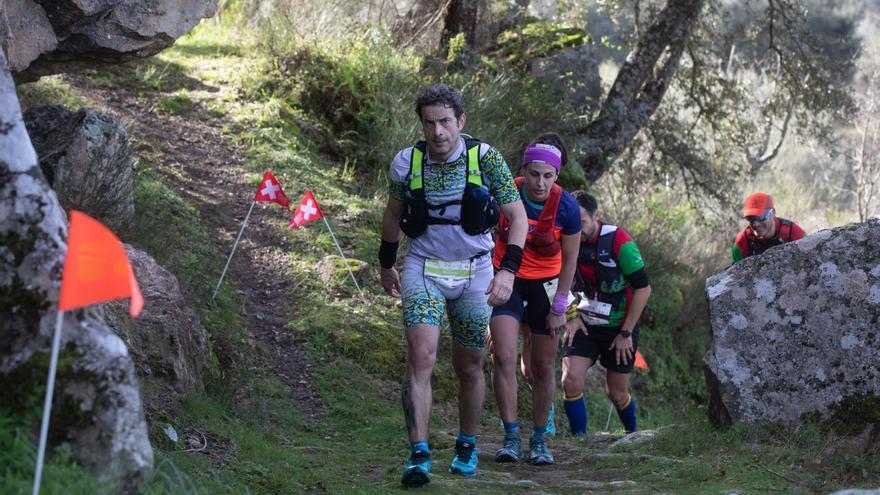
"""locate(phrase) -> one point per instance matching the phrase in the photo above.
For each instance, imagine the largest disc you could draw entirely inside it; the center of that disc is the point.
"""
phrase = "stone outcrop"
(51, 36)
(167, 342)
(796, 329)
(86, 158)
(97, 407)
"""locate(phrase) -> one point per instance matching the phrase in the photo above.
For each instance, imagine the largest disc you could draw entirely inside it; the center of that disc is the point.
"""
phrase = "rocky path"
(206, 169)
(597, 464)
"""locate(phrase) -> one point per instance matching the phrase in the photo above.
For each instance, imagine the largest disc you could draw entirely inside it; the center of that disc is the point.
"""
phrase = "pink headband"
(543, 153)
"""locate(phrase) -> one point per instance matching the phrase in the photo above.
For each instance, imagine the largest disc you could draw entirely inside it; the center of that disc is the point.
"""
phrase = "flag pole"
(343, 257)
(243, 224)
(47, 405)
(608, 421)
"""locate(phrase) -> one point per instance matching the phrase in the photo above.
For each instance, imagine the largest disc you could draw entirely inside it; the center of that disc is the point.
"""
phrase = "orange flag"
(640, 361)
(96, 268)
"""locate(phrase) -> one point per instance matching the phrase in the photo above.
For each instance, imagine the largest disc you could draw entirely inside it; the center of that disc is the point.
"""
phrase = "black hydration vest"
(479, 210)
(612, 284)
(758, 246)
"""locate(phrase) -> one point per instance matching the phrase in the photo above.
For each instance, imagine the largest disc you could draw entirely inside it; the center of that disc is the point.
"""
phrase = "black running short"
(528, 302)
(595, 345)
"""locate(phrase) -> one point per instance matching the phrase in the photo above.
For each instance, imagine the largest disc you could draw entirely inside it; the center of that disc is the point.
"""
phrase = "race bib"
(593, 311)
(551, 286)
(451, 275)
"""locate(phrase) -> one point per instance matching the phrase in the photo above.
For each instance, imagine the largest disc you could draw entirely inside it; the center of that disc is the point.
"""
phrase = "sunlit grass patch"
(175, 104)
(50, 90)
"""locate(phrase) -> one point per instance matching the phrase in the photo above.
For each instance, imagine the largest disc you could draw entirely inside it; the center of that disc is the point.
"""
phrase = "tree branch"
(639, 87)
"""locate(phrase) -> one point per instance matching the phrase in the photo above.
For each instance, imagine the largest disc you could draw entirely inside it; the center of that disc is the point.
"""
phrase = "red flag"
(270, 190)
(96, 268)
(307, 211)
(640, 361)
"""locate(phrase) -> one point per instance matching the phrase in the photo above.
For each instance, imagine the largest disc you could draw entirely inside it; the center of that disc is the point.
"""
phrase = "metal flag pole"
(243, 224)
(608, 421)
(344, 259)
(47, 405)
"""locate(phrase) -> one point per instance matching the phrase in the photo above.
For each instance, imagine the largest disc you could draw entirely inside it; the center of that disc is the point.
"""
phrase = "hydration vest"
(479, 210)
(783, 235)
(542, 240)
(612, 284)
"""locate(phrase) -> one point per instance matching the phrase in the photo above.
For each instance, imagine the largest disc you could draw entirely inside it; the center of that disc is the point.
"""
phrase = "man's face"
(441, 130)
(765, 226)
(589, 224)
(539, 179)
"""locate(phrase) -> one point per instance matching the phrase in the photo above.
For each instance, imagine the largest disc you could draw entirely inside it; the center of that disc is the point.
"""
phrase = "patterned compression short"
(427, 303)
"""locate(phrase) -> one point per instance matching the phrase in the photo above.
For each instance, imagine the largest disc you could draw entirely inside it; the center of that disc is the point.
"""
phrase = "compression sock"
(628, 415)
(576, 410)
(538, 432)
(511, 428)
(471, 439)
(420, 446)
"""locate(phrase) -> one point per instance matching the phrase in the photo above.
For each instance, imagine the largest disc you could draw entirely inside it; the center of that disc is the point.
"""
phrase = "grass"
(18, 460)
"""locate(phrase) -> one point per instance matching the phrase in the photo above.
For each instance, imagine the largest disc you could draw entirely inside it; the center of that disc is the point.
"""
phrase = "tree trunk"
(461, 17)
(639, 87)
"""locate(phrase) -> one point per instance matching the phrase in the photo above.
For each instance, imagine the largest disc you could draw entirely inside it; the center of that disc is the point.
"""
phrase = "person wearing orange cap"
(765, 229)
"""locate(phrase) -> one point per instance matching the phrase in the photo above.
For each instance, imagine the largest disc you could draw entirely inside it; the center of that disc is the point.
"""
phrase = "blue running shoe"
(512, 449)
(465, 460)
(539, 455)
(418, 469)
(551, 424)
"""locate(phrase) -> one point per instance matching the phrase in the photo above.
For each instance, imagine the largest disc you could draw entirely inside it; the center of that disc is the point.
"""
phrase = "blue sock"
(538, 432)
(628, 415)
(576, 410)
(471, 439)
(511, 428)
(420, 446)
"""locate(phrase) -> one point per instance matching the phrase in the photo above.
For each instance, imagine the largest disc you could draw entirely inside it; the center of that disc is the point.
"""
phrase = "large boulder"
(97, 404)
(167, 342)
(86, 158)
(51, 36)
(795, 330)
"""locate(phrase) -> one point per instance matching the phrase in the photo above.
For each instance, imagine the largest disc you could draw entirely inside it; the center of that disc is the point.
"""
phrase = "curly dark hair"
(440, 94)
(586, 201)
(553, 139)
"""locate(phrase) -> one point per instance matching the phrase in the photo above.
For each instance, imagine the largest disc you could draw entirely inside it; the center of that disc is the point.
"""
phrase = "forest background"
(779, 96)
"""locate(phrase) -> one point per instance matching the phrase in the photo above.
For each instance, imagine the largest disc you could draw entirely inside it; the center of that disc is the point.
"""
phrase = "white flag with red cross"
(270, 190)
(307, 211)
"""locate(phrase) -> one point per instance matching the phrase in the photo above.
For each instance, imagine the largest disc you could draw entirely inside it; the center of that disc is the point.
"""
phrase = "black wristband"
(512, 258)
(388, 253)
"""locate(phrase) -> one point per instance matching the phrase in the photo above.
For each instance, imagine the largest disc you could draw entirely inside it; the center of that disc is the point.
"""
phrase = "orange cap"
(757, 205)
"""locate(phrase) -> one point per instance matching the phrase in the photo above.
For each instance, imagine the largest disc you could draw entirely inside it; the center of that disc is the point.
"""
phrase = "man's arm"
(797, 232)
(390, 239)
(502, 285)
(623, 346)
(740, 249)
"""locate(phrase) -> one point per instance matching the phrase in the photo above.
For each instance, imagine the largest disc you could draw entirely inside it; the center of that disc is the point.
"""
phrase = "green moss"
(853, 413)
(17, 245)
(23, 306)
(537, 39)
(25, 387)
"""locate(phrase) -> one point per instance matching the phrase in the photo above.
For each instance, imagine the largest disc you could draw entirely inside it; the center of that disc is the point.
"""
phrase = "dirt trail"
(206, 169)
(575, 470)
